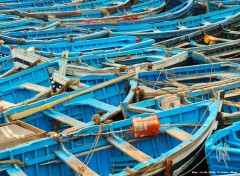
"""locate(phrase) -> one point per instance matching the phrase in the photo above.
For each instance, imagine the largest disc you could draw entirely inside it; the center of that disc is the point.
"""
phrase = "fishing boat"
(211, 37)
(185, 79)
(72, 34)
(84, 107)
(170, 96)
(222, 151)
(74, 12)
(25, 24)
(96, 46)
(227, 53)
(8, 18)
(127, 152)
(15, 92)
(127, 61)
(180, 11)
(221, 4)
(42, 3)
(47, 36)
(68, 7)
(176, 28)
(137, 11)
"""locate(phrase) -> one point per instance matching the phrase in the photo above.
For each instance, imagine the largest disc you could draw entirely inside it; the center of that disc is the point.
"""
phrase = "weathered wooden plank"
(128, 149)
(34, 87)
(64, 118)
(178, 133)
(74, 163)
(15, 172)
(6, 104)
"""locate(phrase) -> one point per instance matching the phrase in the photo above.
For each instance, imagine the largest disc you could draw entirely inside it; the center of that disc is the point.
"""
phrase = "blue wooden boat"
(73, 11)
(127, 61)
(25, 24)
(78, 107)
(221, 4)
(8, 18)
(96, 46)
(137, 11)
(42, 3)
(178, 12)
(185, 79)
(70, 7)
(115, 143)
(211, 37)
(47, 36)
(170, 29)
(222, 151)
(227, 53)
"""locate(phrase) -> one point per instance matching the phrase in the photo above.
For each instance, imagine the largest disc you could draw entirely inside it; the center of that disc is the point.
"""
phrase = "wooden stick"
(31, 111)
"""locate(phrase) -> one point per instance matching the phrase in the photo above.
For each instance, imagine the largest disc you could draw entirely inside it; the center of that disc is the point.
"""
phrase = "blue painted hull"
(82, 108)
(178, 12)
(104, 152)
(195, 41)
(225, 141)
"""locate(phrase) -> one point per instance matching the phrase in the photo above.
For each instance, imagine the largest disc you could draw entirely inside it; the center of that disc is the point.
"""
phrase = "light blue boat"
(137, 60)
(116, 146)
(78, 107)
(176, 28)
(180, 11)
(8, 18)
(69, 7)
(139, 11)
(63, 12)
(211, 37)
(221, 4)
(52, 36)
(228, 53)
(25, 24)
(42, 3)
(96, 46)
(222, 151)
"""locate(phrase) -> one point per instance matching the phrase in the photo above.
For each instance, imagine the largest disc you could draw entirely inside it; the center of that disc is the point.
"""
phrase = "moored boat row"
(126, 87)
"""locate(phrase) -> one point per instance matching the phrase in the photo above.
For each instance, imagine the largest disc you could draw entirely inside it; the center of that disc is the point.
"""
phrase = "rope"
(104, 11)
(96, 118)
(200, 161)
(224, 154)
(89, 156)
(13, 162)
(169, 162)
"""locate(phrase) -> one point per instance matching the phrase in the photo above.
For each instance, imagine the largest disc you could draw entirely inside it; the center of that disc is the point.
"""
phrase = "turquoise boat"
(228, 53)
(116, 144)
(212, 37)
(180, 11)
(175, 28)
(96, 46)
(78, 107)
(222, 151)
(137, 60)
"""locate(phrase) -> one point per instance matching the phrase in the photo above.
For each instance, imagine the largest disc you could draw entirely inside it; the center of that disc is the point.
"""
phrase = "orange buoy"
(145, 126)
